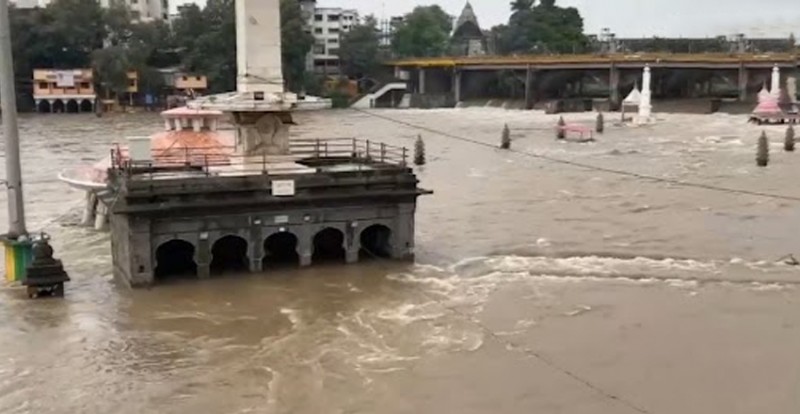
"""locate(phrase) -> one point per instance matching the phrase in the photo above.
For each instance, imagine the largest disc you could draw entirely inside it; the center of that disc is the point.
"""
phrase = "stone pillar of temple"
(422, 81)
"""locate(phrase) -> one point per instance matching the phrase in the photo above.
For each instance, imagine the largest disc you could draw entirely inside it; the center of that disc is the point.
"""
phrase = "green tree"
(296, 42)
(75, 29)
(543, 28)
(424, 32)
(360, 49)
(111, 66)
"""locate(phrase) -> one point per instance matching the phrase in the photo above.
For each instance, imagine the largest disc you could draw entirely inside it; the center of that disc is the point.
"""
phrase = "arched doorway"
(72, 106)
(175, 260)
(44, 106)
(280, 250)
(58, 106)
(229, 254)
(376, 243)
(329, 246)
(87, 106)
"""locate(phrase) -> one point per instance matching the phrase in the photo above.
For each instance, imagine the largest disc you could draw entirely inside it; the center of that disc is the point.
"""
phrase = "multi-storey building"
(327, 25)
(142, 10)
(387, 27)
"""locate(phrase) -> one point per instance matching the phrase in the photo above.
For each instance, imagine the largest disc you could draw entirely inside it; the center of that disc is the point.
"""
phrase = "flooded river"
(538, 287)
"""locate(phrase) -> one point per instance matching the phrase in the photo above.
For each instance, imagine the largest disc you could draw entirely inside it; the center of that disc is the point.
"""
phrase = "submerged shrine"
(196, 200)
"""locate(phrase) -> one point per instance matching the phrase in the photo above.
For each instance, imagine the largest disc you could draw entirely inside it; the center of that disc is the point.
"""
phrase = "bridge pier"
(743, 82)
(530, 96)
(457, 85)
(613, 85)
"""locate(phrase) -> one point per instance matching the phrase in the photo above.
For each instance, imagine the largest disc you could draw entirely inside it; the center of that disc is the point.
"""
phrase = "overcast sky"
(627, 18)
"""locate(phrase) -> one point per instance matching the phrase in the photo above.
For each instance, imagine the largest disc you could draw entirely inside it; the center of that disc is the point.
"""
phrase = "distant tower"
(468, 38)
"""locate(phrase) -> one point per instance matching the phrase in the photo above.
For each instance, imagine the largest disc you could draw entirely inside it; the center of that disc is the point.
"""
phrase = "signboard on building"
(283, 188)
(65, 79)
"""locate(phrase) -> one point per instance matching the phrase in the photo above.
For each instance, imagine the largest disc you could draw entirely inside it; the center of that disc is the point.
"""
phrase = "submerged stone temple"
(254, 199)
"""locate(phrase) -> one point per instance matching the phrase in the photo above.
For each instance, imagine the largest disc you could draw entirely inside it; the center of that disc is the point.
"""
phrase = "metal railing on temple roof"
(306, 156)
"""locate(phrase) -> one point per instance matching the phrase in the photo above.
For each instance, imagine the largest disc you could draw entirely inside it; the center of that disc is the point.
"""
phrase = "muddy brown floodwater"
(538, 287)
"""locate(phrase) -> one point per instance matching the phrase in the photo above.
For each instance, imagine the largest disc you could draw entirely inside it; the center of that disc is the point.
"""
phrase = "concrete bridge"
(447, 81)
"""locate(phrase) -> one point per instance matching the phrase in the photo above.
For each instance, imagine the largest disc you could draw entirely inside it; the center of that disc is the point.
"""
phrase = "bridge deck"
(604, 61)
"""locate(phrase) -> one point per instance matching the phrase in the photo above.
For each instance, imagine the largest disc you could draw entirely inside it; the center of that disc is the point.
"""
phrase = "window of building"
(185, 78)
(334, 51)
(334, 17)
(317, 17)
(318, 30)
(43, 85)
(333, 30)
(84, 85)
(319, 49)
(132, 82)
(334, 40)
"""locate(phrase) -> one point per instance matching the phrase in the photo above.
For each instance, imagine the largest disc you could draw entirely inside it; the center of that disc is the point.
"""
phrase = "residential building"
(29, 4)
(70, 90)
(387, 27)
(182, 83)
(327, 25)
(142, 10)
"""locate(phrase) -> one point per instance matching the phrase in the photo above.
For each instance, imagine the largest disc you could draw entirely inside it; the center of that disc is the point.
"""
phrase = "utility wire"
(577, 164)
(511, 346)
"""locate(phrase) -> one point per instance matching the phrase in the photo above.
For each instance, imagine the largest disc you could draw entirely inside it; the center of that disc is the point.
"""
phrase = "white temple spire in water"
(775, 88)
(645, 106)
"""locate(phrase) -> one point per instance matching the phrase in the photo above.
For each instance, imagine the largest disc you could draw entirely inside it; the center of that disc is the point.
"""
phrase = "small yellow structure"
(184, 82)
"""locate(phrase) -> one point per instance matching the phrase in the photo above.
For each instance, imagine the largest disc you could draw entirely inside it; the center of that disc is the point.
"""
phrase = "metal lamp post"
(42, 274)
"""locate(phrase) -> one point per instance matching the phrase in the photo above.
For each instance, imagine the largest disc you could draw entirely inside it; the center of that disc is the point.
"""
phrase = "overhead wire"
(577, 164)
(528, 352)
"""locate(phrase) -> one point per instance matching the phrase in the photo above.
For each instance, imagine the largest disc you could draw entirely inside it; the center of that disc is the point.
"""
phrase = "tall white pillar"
(258, 46)
(775, 87)
(646, 107)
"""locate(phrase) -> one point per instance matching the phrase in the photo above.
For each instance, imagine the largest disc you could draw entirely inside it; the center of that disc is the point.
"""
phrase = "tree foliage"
(79, 34)
(542, 28)
(360, 52)
(424, 32)
(296, 43)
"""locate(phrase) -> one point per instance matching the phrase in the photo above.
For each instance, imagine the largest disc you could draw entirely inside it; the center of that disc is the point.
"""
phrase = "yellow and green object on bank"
(19, 254)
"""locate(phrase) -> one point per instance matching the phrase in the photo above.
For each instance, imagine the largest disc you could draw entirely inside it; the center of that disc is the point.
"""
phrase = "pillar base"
(305, 260)
(352, 256)
(89, 209)
(101, 217)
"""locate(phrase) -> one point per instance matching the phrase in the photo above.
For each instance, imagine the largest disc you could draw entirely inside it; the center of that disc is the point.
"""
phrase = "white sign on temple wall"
(283, 188)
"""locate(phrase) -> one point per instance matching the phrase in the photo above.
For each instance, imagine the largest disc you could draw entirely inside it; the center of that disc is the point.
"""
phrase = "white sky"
(626, 18)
